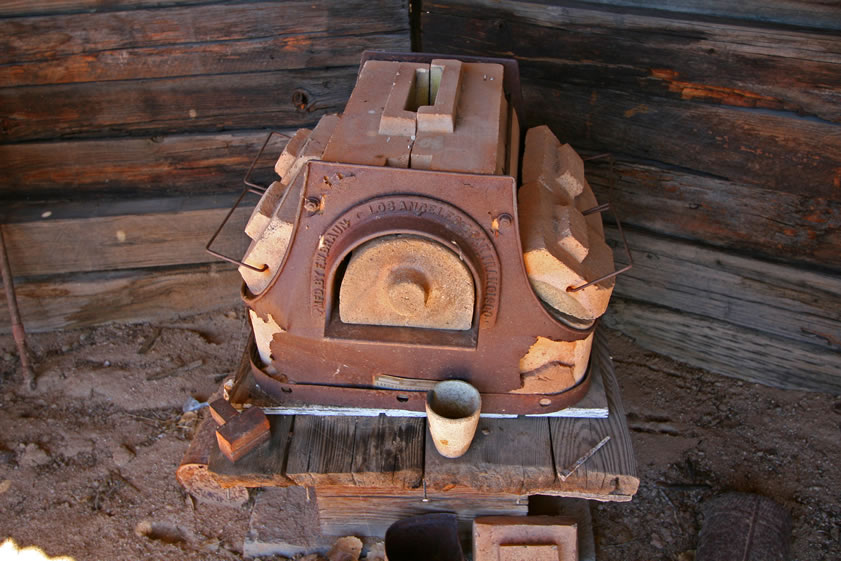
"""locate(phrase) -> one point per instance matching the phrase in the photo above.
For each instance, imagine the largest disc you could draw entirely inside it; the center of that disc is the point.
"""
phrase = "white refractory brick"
(551, 268)
(407, 281)
(306, 145)
(552, 366)
(357, 139)
(444, 88)
(570, 230)
(480, 123)
(396, 120)
(557, 167)
(264, 331)
(269, 249)
(290, 153)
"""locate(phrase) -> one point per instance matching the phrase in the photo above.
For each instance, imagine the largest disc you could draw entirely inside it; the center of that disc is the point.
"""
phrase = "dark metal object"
(251, 187)
(18, 331)
(428, 537)
(318, 350)
(602, 208)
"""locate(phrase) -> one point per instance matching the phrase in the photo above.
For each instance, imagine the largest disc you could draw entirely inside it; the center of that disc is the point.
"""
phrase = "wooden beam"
(131, 296)
(664, 54)
(123, 168)
(101, 41)
(280, 99)
(111, 243)
(729, 215)
(785, 302)
(724, 100)
(727, 349)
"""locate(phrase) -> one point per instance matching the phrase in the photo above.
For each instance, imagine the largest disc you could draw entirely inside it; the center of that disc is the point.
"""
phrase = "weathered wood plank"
(778, 300)
(105, 42)
(727, 349)
(280, 99)
(773, 151)
(263, 466)
(20, 8)
(111, 243)
(610, 474)
(773, 224)
(661, 89)
(663, 54)
(801, 13)
(311, 50)
(370, 451)
(506, 456)
(130, 296)
(180, 164)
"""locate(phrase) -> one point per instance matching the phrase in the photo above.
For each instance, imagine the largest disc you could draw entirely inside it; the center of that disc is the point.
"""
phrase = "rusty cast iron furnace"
(398, 249)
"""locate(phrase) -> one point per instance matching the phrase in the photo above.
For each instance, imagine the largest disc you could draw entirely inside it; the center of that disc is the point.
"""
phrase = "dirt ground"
(87, 462)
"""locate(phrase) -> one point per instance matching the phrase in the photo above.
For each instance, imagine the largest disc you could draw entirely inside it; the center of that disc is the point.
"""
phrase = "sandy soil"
(87, 462)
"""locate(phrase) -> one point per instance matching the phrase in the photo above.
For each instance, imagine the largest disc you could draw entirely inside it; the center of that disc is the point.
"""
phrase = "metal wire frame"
(250, 187)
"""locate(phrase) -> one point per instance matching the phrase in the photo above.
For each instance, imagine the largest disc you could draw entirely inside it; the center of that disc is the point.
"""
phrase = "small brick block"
(222, 411)
(243, 433)
(533, 538)
(445, 88)
(517, 552)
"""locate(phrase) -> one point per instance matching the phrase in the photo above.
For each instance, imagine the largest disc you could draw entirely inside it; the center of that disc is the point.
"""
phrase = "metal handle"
(250, 187)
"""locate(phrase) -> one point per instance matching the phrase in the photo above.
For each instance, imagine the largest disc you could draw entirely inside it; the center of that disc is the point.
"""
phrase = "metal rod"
(251, 187)
(602, 208)
(564, 475)
(18, 330)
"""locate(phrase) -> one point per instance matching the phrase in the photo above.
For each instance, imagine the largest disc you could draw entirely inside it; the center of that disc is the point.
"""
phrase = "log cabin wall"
(126, 127)
(724, 124)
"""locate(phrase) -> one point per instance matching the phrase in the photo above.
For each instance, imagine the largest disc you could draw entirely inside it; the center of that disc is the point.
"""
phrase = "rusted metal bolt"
(312, 204)
(505, 219)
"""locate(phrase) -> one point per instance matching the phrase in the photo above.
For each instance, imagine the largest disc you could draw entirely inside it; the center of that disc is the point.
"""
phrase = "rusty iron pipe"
(18, 331)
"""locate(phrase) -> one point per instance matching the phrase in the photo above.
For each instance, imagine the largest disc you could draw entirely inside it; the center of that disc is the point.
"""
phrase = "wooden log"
(727, 349)
(356, 451)
(181, 164)
(776, 152)
(132, 296)
(789, 303)
(668, 71)
(119, 242)
(610, 474)
(299, 33)
(665, 54)
(283, 99)
(20, 8)
(815, 15)
(729, 215)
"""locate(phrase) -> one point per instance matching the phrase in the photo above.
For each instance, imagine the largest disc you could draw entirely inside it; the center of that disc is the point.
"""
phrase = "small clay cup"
(452, 412)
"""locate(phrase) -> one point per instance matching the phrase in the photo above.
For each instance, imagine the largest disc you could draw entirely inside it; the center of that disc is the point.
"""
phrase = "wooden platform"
(391, 457)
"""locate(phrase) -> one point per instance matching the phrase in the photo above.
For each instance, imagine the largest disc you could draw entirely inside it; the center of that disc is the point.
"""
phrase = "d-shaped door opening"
(405, 288)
